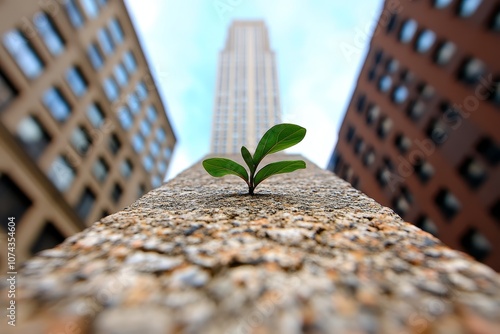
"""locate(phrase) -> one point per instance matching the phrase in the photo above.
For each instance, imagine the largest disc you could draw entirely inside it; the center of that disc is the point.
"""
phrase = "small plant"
(277, 138)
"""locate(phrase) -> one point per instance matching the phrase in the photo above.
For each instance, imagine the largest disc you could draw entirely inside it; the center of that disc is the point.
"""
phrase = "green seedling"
(277, 138)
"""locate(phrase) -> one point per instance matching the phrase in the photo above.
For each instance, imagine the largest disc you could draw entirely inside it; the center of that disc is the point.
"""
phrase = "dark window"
(424, 170)
(447, 203)
(392, 23)
(14, 201)
(81, 141)
(126, 168)
(384, 127)
(100, 169)
(32, 136)
(383, 176)
(468, 7)
(74, 14)
(114, 143)
(359, 146)
(489, 150)
(350, 133)
(76, 81)
(379, 55)
(360, 105)
(372, 114)
(141, 190)
(403, 143)
(372, 74)
(49, 237)
(7, 92)
(476, 244)
(335, 162)
(50, 35)
(473, 171)
(407, 76)
(450, 114)
(116, 193)
(426, 91)
(104, 213)
(416, 109)
(401, 205)
(425, 41)
(445, 52)
(471, 71)
(23, 53)
(355, 182)
(392, 65)
(55, 102)
(95, 56)
(495, 210)
(407, 31)
(85, 204)
(385, 83)
(495, 21)
(427, 225)
(437, 131)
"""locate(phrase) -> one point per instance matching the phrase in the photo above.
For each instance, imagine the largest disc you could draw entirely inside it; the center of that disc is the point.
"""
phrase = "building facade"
(83, 130)
(421, 132)
(247, 101)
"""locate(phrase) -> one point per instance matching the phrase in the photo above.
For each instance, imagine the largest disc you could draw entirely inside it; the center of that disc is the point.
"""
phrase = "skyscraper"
(421, 132)
(83, 130)
(247, 99)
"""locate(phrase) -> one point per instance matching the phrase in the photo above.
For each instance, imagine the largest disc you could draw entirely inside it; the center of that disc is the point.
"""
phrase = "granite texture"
(306, 254)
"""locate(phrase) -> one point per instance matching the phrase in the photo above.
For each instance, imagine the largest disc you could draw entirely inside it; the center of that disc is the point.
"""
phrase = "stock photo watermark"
(11, 271)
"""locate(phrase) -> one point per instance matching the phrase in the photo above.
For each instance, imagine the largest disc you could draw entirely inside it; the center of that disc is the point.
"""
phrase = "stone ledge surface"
(306, 254)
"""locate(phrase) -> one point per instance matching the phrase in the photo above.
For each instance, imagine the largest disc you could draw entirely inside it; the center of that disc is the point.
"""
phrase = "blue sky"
(320, 47)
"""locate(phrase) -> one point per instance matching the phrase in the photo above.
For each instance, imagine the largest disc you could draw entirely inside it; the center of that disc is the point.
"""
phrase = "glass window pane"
(85, 204)
(425, 41)
(114, 144)
(111, 89)
(126, 168)
(130, 62)
(56, 104)
(154, 148)
(148, 162)
(105, 41)
(61, 173)
(155, 181)
(100, 169)
(74, 14)
(162, 167)
(32, 136)
(76, 81)
(80, 139)
(445, 53)
(95, 115)
(7, 91)
(23, 54)
(407, 31)
(138, 143)
(95, 56)
(116, 30)
(152, 114)
(134, 104)
(145, 128)
(90, 8)
(167, 152)
(116, 193)
(14, 201)
(441, 3)
(468, 7)
(121, 75)
(125, 118)
(50, 36)
(141, 91)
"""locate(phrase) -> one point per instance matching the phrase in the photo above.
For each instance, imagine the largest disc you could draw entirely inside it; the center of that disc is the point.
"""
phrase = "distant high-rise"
(83, 130)
(421, 133)
(247, 99)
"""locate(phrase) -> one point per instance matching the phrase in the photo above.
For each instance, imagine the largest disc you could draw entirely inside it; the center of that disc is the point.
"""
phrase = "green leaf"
(247, 156)
(219, 167)
(279, 167)
(278, 138)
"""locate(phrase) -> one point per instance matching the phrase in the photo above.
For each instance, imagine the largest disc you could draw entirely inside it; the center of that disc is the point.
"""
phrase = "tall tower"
(247, 95)
(421, 131)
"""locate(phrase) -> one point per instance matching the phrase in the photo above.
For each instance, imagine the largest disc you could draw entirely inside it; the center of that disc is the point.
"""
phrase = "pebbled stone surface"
(306, 254)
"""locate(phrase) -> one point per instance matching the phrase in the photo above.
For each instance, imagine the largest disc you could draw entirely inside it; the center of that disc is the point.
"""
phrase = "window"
(121, 75)
(407, 76)
(408, 30)
(489, 150)
(476, 244)
(360, 105)
(55, 102)
(167, 152)
(401, 205)
(76, 81)
(350, 133)
(141, 190)
(116, 193)
(49, 34)
(392, 65)
(141, 91)
(7, 91)
(32, 136)
(90, 7)
(416, 110)
(154, 148)
(49, 237)
(468, 7)
(148, 163)
(392, 23)
(384, 127)
(134, 104)
(126, 168)
(95, 56)
(425, 41)
(162, 167)
(437, 132)
(14, 201)
(100, 169)
(427, 225)
(495, 22)
(424, 170)
(61, 173)
(105, 41)
(441, 3)
(114, 144)
(130, 62)
(155, 181)
(85, 203)
(359, 146)
(95, 115)
(473, 171)
(385, 83)
(80, 139)
(372, 74)
(426, 91)
(151, 113)
(102, 3)
(403, 143)
(383, 176)
(116, 30)
(125, 117)
(23, 53)
(445, 53)
(111, 89)
(472, 70)
(138, 143)
(495, 210)
(400, 94)
(160, 135)
(372, 114)
(74, 14)
(145, 128)
(369, 158)
(379, 55)
(447, 203)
